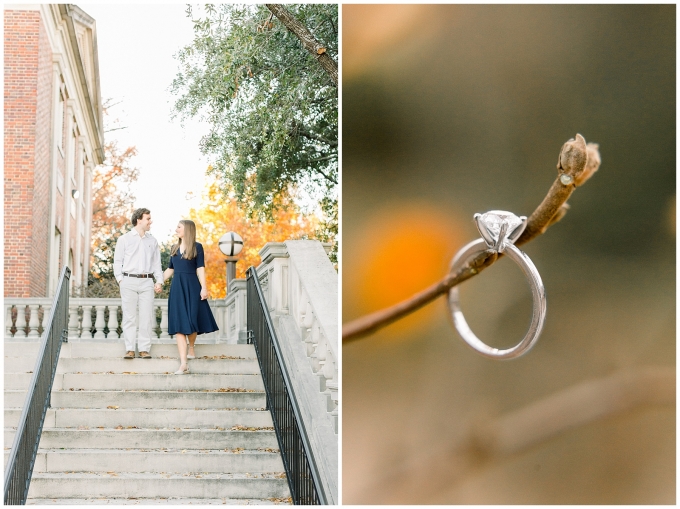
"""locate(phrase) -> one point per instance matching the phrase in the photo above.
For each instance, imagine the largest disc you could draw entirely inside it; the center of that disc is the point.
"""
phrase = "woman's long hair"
(189, 240)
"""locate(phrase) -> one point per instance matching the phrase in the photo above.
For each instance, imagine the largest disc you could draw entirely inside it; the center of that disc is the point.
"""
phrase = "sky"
(136, 47)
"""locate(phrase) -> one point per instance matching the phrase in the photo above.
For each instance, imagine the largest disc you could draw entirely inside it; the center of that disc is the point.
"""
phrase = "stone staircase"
(130, 432)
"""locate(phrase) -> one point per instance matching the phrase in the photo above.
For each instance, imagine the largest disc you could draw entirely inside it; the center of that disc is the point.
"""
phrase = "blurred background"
(450, 110)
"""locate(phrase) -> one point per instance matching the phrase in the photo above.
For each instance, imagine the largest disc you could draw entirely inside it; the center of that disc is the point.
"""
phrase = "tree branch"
(317, 137)
(307, 39)
(327, 177)
(575, 165)
(320, 159)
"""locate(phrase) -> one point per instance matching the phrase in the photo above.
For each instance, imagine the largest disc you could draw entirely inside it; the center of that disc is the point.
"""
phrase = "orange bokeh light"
(407, 248)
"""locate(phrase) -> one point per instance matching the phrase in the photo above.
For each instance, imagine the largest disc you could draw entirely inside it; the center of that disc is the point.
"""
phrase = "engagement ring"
(499, 231)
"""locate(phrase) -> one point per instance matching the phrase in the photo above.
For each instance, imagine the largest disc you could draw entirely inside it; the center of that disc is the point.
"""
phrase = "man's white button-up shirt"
(137, 255)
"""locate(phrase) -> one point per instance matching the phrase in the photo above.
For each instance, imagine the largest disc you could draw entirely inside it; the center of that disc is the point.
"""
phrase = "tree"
(271, 106)
(112, 206)
(216, 216)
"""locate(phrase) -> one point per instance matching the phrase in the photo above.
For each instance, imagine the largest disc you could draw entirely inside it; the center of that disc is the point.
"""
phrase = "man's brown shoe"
(129, 355)
(144, 355)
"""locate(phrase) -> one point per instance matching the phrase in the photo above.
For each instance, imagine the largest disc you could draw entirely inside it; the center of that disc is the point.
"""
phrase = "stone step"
(158, 501)
(145, 399)
(143, 418)
(94, 349)
(110, 438)
(156, 485)
(234, 461)
(152, 366)
(148, 381)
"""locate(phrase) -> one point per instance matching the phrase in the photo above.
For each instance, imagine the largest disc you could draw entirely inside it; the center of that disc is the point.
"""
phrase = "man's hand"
(157, 287)
(204, 294)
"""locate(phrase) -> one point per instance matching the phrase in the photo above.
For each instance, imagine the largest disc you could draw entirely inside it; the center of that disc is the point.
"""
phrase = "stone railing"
(300, 286)
(101, 319)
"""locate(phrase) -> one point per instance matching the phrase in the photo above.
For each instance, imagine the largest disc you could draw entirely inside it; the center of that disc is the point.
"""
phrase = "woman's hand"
(204, 294)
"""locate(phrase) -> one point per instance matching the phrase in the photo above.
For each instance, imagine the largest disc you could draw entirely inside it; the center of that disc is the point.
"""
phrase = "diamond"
(494, 219)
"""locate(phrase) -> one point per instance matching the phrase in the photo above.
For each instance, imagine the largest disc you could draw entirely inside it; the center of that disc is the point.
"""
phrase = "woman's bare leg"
(182, 347)
(192, 340)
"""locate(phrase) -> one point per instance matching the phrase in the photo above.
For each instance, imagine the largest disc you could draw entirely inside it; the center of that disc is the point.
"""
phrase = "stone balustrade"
(101, 319)
(300, 286)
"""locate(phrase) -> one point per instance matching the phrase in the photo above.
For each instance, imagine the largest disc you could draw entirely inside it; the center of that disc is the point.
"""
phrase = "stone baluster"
(8, 321)
(33, 323)
(73, 322)
(328, 368)
(99, 323)
(47, 309)
(87, 322)
(164, 321)
(318, 354)
(21, 322)
(307, 322)
(333, 387)
(112, 323)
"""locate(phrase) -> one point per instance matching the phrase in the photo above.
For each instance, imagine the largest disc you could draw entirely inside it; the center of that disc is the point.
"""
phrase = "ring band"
(501, 243)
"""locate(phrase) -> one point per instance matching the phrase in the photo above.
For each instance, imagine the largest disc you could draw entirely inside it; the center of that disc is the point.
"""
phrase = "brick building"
(53, 140)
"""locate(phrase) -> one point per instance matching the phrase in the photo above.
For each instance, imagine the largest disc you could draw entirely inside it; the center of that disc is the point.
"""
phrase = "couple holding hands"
(137, 259)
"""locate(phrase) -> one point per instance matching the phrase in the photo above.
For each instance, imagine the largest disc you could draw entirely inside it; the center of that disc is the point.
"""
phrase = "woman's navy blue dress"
(187, 313)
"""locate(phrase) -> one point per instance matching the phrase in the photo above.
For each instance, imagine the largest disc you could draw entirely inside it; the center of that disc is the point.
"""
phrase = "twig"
(575, 165)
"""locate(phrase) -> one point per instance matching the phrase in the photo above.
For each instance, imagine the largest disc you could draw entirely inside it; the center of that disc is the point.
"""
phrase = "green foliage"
(272, 108)
(328, 228)
(166, 247)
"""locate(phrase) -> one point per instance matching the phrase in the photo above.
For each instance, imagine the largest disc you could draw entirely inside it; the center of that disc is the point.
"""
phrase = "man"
(136, 260)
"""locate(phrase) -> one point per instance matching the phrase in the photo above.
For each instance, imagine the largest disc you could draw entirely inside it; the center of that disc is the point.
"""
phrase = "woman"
(188, 310)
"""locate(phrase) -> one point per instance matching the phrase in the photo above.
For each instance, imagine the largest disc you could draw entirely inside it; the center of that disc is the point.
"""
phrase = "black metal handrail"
(25, 447)
(301, 470)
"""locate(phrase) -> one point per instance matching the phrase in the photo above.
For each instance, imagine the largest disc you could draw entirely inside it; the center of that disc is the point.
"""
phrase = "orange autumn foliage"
(218, 215)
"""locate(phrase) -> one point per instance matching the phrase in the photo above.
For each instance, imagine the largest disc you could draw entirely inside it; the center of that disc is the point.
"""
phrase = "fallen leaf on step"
(119, 427)
(113, 407)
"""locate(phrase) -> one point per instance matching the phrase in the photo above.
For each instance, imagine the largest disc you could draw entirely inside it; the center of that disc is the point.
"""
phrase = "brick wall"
(21, 44)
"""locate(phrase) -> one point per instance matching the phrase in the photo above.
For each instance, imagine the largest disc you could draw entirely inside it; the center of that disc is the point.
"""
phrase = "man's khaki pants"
(137, 292)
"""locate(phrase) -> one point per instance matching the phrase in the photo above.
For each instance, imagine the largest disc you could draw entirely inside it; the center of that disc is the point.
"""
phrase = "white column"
(87, 197)
(87, 322)
(73, 322)
(99, 323)
(113, 322)
(79, 170)
(33, 322)
(69, 162)
(52, 249)
(21, 321)
(8, 320)
(164, 321)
